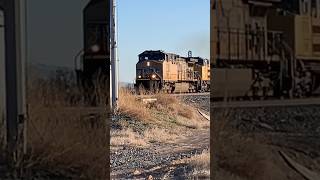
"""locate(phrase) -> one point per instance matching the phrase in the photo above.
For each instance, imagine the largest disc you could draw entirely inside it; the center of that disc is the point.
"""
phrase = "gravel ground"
(132, 158)
(294, 130)
(300, 119)
(202, 101)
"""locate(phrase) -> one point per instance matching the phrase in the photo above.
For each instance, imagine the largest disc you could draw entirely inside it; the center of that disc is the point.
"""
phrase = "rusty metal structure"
(158, 70)
(265, 48)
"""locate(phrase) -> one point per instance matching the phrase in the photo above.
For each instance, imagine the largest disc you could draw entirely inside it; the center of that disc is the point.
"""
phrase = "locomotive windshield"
(153, 55)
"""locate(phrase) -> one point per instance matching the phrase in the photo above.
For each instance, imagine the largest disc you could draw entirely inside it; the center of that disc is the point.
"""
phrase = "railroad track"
(248, 103)
(265, 103)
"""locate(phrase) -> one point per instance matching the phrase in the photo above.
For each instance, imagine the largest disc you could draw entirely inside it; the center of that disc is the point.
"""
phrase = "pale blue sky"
(171, 25)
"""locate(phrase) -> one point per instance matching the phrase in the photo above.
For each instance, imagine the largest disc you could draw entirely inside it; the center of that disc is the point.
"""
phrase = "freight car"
(265, 48)
(160, 71)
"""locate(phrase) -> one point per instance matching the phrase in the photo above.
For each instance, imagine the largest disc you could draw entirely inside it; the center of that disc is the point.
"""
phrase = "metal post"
(21, 68)
(15, 54)
(114, 55)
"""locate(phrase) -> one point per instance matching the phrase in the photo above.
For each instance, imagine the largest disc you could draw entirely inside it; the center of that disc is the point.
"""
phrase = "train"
(92, 62)
(159, 71)
(265, 48)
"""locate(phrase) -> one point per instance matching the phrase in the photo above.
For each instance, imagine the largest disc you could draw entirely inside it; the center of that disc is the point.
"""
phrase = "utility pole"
(114, 55)
(15, 57)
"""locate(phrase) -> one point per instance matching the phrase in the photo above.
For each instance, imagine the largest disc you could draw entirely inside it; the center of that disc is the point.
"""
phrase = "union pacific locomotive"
(160, 71)
(265, 48)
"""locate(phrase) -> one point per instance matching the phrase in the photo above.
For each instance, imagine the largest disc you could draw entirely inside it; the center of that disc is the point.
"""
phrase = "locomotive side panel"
(205, 74)
(204, 71)
(228, 19)
(303, 45)
(231, 82)
(170, 70)
(182, 71)
(316, 36)
(279, 41)
(239, 32)
(243, 49)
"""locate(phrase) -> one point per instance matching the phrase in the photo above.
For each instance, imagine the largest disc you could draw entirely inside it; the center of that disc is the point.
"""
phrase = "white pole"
(21, 67)
(114, 56)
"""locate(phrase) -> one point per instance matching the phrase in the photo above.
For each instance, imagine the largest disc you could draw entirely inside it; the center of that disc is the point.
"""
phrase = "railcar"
(265, 48)
(157, 71)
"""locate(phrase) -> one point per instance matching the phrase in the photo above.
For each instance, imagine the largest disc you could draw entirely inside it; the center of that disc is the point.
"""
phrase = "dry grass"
(167, 105)
(127, 137)
(186, 112)
(130, 106)
(166, 100)
(200, 165)
(65, 138)
(130, 138)
(191, 123)
(159, 135)
(201, 161)
(172, 105)
(236, 154)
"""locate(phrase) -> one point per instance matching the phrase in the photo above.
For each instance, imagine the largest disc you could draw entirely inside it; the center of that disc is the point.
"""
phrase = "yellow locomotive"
(265, 48)
(160, 71)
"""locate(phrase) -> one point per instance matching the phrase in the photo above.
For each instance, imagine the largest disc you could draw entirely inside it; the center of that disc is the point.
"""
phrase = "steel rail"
(266, 103)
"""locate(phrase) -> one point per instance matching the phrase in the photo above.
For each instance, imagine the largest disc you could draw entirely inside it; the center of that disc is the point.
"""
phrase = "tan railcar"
(278, 40)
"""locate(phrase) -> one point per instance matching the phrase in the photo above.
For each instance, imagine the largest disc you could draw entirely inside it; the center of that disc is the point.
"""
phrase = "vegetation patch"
(67, 138)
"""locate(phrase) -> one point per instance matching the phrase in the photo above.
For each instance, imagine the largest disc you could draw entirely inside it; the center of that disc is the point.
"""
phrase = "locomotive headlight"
(95, 48)
(153, 76)
(139, 76)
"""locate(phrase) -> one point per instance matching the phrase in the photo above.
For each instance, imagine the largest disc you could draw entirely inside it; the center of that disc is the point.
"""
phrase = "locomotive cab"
(148, 71)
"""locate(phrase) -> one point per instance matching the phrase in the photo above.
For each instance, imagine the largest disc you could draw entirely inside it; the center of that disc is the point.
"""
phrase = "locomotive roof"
(198, 60)
(156, 51)
(262, 2)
